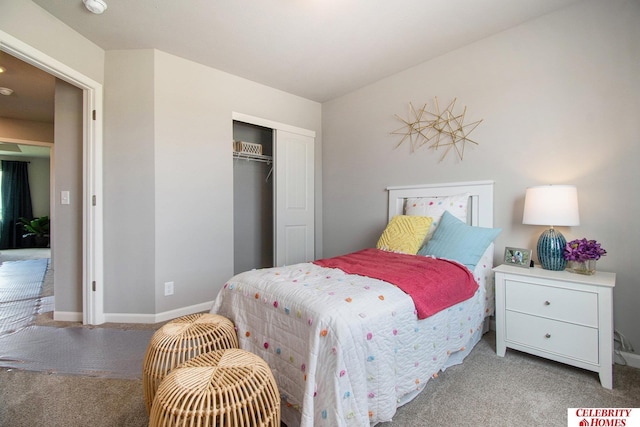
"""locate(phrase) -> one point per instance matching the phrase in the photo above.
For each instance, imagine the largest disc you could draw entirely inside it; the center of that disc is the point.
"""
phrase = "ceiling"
(32, 99)
(317, 49)
(33, 90)
(20, 150)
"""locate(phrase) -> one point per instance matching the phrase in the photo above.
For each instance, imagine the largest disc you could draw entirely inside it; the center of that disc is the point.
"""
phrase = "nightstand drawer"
(564, 339)
(568, 305)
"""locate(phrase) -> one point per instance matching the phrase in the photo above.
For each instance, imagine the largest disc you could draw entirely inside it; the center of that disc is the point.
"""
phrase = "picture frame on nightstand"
(520, 257)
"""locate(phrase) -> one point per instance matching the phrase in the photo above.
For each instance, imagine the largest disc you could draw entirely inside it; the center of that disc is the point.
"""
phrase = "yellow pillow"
(404, 234)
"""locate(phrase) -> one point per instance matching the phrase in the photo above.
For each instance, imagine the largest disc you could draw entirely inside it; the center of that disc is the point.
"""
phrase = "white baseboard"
(158, 317)
(632, 359)
(129, 318)
(69, 316)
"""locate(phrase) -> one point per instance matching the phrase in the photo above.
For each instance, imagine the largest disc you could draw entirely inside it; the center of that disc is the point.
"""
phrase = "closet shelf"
(253, 157)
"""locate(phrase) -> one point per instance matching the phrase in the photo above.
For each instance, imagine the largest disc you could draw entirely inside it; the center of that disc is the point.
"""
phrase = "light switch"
(64, 198)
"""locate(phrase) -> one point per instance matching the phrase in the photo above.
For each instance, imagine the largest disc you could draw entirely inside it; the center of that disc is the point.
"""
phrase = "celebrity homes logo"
(603, 417)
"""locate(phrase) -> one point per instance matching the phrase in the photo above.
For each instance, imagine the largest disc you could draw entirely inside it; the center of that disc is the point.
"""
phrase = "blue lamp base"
(551, 250)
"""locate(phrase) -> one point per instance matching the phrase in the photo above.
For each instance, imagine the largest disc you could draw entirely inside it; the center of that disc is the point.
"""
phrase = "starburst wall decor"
(438, 129)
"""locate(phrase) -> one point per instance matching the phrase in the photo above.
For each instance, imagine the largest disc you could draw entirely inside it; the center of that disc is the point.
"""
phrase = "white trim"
(93, 301)
(159, 317)
(441, 185)
(632, 359)
(67, 316)
(92, 253)
(481, 198)
(240, 117)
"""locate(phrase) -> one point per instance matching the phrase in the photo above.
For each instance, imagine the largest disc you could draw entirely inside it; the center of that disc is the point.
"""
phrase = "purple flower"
(583, 250)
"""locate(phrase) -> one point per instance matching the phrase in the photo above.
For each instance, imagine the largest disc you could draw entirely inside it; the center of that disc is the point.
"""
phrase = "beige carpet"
(486, 390)
(44, 396)
(519, 389)
(32, 399)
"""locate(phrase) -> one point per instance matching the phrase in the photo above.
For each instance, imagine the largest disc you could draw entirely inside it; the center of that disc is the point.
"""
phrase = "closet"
(273, 179)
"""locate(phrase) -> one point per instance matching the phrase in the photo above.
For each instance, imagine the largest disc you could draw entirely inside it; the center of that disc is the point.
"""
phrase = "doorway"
(90, 309)
(291, 166)
(252, 198)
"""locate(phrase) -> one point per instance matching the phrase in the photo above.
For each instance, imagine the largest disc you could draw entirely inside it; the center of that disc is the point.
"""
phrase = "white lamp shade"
(551, 205)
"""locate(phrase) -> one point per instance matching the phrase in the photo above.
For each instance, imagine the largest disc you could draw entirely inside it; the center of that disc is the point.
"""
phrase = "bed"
(348, 350)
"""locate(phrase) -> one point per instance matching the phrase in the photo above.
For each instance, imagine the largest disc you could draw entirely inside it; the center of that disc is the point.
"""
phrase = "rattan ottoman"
(179, 341)
(229, 388)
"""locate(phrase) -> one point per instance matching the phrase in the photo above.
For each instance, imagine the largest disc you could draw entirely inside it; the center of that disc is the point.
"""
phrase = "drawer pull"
(547, 335)
(547, 303)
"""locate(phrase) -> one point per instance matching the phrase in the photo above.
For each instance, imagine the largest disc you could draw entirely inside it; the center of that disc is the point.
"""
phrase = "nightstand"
(558, 315)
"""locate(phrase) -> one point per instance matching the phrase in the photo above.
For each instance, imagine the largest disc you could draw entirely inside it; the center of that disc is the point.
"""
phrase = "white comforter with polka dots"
(345, 350)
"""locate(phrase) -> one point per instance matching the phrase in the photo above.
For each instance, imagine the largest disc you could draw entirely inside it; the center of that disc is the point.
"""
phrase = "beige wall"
(129, 182)
(167, 157)
(40, 185)
(560, 100)
(36, 27)
(194, 170)
(169, 176)
(66, 236)
(27, 130)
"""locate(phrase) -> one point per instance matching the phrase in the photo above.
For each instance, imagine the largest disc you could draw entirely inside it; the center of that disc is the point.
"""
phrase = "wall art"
(437, 129)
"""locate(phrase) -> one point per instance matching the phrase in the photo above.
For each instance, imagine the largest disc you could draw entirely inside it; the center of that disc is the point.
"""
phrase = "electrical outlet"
(168, 288)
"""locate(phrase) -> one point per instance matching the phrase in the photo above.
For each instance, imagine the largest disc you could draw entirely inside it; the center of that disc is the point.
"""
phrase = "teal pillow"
(455, 240)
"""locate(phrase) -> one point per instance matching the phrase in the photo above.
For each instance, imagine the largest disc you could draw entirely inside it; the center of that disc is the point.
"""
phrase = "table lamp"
(553, 205)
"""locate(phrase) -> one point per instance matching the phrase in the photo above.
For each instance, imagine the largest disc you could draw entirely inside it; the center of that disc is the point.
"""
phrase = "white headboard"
(481, 206)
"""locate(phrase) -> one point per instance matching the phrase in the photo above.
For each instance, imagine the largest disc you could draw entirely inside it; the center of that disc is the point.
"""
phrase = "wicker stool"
(180, 340)
(227, 388)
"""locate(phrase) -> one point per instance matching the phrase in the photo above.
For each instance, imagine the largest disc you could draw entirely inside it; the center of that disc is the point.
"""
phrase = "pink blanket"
(434, 284)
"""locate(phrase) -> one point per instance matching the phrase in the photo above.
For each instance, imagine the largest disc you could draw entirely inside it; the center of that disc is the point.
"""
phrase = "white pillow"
(434, 207)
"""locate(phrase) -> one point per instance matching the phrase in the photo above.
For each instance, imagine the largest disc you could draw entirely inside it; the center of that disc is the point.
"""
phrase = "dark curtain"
(16, 203)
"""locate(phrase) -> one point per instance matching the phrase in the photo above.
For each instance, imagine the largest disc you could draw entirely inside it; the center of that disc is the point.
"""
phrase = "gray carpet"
(518, 389)
(486, 390)
(33, 399)
(98, 352)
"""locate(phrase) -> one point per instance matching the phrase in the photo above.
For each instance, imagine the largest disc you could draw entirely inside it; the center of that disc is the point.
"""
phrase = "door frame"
(92, 216)
(280, 127)
(258, 121)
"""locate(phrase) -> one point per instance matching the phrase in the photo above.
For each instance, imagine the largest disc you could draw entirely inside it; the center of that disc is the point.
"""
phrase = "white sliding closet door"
(293, 198)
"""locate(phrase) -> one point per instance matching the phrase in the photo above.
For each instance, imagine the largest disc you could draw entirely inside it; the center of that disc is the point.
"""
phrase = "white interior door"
(293, 198)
